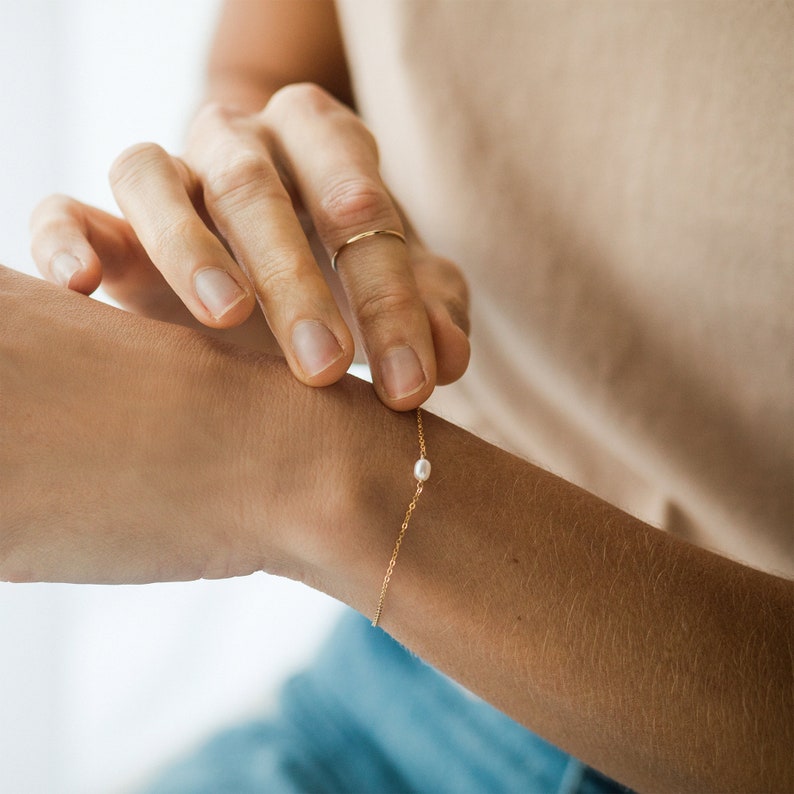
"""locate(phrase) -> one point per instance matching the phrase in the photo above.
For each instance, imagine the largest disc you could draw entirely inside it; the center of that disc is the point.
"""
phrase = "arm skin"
(664, 665)
(261, 46)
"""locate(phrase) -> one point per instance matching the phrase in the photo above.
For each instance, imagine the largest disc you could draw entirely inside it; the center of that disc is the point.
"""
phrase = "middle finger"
(252, 210)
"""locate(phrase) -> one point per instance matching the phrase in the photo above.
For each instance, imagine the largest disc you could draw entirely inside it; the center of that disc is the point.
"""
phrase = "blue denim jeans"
(369, 717)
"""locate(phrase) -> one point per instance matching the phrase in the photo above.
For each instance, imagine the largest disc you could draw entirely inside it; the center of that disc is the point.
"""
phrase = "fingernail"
(63, 266)
(315, 347)
(401, 373)
(217, 290)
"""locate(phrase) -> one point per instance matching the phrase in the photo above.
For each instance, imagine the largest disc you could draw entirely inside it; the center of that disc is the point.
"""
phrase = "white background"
(99, 685)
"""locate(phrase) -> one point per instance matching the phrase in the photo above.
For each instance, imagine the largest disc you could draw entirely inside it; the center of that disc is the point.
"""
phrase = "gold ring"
(361, 236)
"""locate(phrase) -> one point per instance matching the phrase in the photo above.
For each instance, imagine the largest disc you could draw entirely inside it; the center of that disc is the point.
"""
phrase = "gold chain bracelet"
(421, 473)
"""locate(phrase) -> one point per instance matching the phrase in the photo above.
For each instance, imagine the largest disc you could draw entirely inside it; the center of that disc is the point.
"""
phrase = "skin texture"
(274, 179)
(158, 453)
(664, 665)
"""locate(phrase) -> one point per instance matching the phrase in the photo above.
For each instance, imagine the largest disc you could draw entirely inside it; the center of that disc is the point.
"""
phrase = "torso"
(617, 181)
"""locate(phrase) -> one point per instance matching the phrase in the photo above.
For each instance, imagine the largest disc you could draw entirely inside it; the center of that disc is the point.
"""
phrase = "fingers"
(60, 247)
(150, 190)
(63, 227)
(222, 227)
(67, 234)
(446, 298)
(332, 160)
(247, 201)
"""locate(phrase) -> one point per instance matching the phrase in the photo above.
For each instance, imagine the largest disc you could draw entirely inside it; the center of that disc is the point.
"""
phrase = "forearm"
(259, 47)
(662, 664)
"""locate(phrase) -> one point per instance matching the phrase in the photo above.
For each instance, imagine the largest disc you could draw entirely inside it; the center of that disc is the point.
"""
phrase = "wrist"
(326, 475)
(367, 481)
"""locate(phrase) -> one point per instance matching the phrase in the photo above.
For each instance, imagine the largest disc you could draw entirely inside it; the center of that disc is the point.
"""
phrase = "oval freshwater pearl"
(422, 469)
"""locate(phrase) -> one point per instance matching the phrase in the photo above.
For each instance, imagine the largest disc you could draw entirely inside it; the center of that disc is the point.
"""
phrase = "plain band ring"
(361, 236)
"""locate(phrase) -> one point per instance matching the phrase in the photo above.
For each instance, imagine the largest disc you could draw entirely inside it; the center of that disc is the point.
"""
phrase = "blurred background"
(100, 685)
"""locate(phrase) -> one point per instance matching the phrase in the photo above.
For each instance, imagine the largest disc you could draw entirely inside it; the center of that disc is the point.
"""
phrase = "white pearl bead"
(422, 469)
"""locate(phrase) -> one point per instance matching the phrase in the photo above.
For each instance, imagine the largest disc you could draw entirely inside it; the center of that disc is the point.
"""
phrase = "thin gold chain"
(408, 513)
(421, 429)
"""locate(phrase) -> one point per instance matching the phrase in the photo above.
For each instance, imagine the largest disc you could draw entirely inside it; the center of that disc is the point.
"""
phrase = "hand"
(126, 446)
(221, 228)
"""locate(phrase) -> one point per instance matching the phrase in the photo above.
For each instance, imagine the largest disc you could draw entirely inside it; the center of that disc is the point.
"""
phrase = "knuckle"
(309, 104)
(457, 285)
(458, 310)
(304, 102)
(51, 211)
(214, 119)
(380, 304)
(301, 97)
(135, 161)
(450, 272)
(239, 179)
(442, 278)
(213, 111)
(366, 139)
(56, 204)
(354, 204)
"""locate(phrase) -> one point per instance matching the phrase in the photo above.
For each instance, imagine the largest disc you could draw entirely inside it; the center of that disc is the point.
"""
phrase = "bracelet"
(421, 473)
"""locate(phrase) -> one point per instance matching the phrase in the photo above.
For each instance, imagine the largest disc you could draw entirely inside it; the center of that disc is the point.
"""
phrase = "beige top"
(617, 181)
